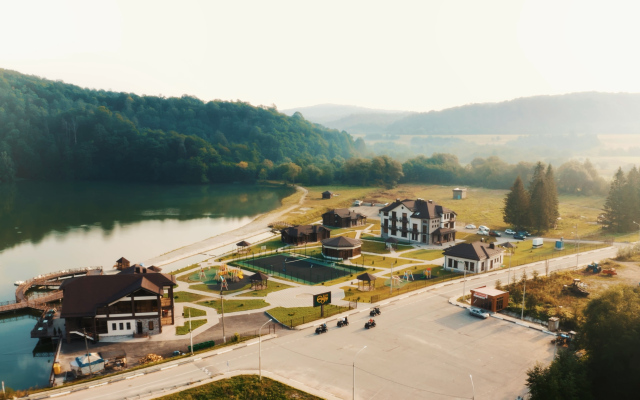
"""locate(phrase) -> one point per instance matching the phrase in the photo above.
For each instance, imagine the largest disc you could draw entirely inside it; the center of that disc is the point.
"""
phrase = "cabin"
(304, 234)
(473, 257)
(343, 218)
(341, 248)
(418, 221)
(327, 194)
(131, 304)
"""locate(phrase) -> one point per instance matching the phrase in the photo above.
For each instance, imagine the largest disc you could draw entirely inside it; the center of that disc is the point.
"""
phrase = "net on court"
(299, 269)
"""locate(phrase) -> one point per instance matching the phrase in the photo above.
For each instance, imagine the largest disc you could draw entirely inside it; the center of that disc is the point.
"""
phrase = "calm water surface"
(46, 227)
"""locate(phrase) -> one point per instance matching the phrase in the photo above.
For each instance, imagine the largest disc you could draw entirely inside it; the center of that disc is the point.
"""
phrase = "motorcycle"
(342, 323)
(321, 329)
(370, 324)
(374, 312)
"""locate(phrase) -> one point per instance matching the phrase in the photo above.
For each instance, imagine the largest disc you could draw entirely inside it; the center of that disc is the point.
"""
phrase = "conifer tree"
(614, 207)
(539, 199)
(516, 206)
(552, 197)
(632, 199)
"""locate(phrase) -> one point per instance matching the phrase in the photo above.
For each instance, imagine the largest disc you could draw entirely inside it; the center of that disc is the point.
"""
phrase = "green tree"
(565, 379)
(615, 205)
(516, 206)
(552, 197)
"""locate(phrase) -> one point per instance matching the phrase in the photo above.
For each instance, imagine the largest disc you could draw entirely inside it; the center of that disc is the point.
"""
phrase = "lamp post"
(638, 229)
(464, 279)
(524, 291)
(260, 347)
(354, 372)
(577, 248)
(190, 332)
(224, 337)
(472, 387)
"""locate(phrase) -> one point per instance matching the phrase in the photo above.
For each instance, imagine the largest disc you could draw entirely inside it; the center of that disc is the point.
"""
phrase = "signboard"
(322, 299)
(480, 295)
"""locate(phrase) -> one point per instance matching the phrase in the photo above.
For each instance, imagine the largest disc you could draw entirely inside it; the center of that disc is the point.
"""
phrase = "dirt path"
(256, 230)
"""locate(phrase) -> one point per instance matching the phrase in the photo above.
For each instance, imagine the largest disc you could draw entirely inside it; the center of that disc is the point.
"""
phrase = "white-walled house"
(420, 221)
(474, 257)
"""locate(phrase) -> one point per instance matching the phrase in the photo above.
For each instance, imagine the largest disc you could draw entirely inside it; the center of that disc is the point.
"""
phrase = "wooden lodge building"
(343, 218)
(130, 303)
(420, 221)
(304, 234)
(489, 298)
(341, 248)
(327, 194)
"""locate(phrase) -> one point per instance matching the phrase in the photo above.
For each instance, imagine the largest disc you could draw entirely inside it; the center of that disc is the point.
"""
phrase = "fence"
(329, 310)
(555, 254)
(235, 337)
(414, 285)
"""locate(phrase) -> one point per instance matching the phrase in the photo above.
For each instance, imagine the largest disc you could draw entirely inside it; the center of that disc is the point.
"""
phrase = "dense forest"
(52, 130)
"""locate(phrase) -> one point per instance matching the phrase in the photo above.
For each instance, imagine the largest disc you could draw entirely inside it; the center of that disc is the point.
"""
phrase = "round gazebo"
(341, 248)
(259, 281)
(392, 243)
(243, 246)
(370, 281)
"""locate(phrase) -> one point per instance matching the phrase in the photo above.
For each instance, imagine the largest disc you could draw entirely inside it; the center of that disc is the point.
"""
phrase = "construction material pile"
(149, 358)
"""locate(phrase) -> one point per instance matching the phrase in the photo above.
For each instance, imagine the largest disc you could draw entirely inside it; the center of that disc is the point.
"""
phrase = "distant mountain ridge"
(574, 113)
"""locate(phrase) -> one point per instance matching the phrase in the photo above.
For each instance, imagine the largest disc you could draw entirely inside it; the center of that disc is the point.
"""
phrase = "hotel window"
(128, 326)
(113, 327)
(150, 325)
(121, 326)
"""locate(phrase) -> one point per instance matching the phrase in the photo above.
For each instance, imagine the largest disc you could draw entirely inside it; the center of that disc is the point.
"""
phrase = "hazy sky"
(405, 55)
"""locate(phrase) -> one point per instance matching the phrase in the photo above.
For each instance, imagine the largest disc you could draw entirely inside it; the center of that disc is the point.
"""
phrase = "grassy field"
(379, 261)
(525, 254)
(271, 287)
(195, 312)
(484, 207)
(436, 270)
(187, 297)
(184, 329)
(348, 278)
(423, 254)
(256, 249)
(235, 305)
(302, 315)
(187, 268)
(314, 205)
(375, 246)
(242, 387)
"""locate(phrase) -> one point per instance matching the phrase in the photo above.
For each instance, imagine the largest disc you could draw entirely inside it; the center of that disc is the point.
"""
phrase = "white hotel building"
(420, 221)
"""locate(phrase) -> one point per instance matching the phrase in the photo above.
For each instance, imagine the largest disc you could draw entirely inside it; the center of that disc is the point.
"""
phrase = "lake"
(46, 227)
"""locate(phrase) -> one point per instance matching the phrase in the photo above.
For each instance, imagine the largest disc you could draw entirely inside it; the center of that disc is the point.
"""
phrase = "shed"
(122, 263)
(489, 298)
(459, 193)
(327, 194)
(243, 246)
(369, 279)
(341, 248)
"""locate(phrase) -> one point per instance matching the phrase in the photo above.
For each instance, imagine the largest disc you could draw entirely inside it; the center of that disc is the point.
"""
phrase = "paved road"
(423, 348)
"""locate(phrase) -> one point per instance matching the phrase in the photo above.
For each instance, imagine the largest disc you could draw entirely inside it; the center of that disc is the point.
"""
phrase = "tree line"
(622, 207)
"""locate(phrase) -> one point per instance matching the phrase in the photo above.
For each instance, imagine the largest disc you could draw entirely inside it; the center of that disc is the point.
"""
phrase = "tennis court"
(299, 269)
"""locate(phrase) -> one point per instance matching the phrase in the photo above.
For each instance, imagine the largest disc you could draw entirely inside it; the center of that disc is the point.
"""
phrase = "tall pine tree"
(552, 197)
(615, 206)
(516, 206)
(539, 199)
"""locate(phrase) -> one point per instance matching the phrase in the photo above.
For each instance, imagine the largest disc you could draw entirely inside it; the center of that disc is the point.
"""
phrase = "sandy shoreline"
(254, 231)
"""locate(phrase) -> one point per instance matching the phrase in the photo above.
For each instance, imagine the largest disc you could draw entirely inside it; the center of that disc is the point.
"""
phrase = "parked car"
(477, 312)
(483, 228)
(494, 233)
(524, 233)
(470, 226)
(518, 236)
(482, 232)
(509, 231)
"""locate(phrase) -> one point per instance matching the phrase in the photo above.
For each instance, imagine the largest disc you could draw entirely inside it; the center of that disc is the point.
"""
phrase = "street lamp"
(472, 387)
(524, 291)
(464, 279)
(260, 347)
(354, 372)
(224, 337)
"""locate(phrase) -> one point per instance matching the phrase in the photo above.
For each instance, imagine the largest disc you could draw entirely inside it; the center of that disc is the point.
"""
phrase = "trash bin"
(554, 324)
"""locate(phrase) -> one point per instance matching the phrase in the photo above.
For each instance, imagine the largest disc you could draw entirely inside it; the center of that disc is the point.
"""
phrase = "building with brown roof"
(419, 220)
(343, 218)
(327, 194)
(341, 248)
(489, 298)
(131, 303)
(473, 257)
(304, 234)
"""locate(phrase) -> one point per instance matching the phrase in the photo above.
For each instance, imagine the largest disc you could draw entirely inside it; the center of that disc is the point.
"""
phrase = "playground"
(299, 269)
(223, 277)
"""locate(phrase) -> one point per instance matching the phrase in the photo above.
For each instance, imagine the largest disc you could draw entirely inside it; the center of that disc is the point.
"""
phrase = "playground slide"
(240, 275)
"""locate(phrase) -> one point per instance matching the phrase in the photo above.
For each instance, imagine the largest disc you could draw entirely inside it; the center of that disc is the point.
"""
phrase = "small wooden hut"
(391, 243)
(259, 281)
(122, 263)
(243, 246)
(368, 282)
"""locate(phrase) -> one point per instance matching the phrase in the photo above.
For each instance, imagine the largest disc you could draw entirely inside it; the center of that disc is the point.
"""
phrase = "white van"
(483, 228)
(537, 242)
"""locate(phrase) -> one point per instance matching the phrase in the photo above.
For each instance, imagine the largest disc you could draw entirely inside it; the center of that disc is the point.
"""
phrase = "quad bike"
(342, 323)
(370, 324)
(321, 329)
(374, 312)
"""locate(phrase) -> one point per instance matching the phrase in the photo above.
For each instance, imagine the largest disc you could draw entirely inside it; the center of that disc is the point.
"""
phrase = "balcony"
(165, 302)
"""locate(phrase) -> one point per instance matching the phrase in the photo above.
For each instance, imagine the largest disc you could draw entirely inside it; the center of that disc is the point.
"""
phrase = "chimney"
(397, 199)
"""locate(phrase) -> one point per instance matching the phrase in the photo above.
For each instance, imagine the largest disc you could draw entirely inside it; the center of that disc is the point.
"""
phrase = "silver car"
(477, 312)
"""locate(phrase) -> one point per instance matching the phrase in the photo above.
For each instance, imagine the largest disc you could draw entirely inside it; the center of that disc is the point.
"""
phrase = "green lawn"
(242, 387)
(271, 287)
(348, 278)
(525, 254)
(417, 271)
(371, 246)
(235, 305)
(187, 268)
(379, 261)
(302, 315)
(187, 297)
(256, 249)
(423, 254)
(184, 330)
(194, 312)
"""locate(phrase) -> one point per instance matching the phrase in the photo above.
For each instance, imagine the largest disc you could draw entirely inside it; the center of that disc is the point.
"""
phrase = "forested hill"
(54, 130)
(575, 113)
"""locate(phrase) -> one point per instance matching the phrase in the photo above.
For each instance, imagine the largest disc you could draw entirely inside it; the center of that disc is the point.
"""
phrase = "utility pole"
(464, 279)
(86, 345)
(524, 291)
